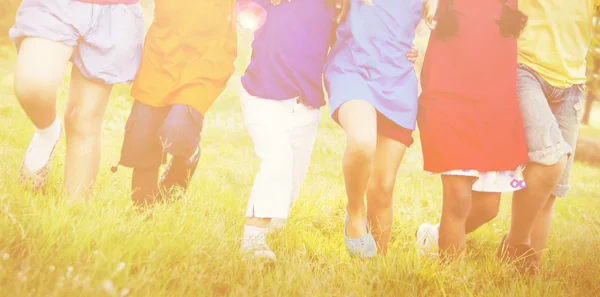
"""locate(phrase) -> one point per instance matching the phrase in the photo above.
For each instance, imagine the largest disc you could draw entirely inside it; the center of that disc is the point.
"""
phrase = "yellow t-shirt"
(556, 40)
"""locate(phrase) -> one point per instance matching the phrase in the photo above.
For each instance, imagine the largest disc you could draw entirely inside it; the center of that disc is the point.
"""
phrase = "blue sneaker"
(363, 247)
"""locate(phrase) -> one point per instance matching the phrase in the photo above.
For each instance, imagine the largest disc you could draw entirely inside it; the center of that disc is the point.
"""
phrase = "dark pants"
(151, 132)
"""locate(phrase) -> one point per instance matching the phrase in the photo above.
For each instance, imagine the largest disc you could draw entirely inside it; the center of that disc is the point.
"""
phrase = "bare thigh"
(40, 68)
(359, 120)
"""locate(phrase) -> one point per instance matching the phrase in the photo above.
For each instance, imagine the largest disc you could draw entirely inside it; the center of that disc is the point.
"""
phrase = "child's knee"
(490, 209)
(457, 202)
(380, 192)
(34, 90)
(546, 176)
(180, 132)
(82, 121)
(361, 147)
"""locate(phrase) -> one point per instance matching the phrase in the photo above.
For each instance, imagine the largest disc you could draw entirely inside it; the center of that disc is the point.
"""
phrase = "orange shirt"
(188, 55)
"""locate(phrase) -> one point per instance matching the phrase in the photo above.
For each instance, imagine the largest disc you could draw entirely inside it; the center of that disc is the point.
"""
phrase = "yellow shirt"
(556, 40)
(189, 53)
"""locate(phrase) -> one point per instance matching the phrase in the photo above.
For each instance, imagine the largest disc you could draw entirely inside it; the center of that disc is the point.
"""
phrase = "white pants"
(283, 132)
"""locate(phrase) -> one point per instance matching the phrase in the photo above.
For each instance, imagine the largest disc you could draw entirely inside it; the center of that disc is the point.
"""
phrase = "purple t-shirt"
(289, 51)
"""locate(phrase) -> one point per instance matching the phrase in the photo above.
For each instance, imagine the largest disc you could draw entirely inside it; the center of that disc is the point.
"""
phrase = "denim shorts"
(551, 118)
(150, 132)
(106, 39)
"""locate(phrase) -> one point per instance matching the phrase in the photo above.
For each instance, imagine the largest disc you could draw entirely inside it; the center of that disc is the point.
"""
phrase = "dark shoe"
(179, 173)
(522, 257)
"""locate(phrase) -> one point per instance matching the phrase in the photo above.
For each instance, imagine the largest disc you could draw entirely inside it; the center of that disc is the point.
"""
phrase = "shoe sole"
(37, 180)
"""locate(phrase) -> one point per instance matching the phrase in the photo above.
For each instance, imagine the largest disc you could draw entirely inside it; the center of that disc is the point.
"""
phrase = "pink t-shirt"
(110, 1)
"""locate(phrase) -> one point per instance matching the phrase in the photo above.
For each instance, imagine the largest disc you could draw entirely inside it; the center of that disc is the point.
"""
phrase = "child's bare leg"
(541, 228)
(528, 203)
(39, 71)
(83, 126)
(484, 208)
(258, 222)
(380, 190)
(359, 120)
(455, 212)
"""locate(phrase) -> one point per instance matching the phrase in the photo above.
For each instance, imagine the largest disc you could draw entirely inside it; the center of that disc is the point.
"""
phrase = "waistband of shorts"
(109, 2)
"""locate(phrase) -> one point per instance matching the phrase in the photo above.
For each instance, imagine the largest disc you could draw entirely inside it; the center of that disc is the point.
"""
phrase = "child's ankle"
(258, 222)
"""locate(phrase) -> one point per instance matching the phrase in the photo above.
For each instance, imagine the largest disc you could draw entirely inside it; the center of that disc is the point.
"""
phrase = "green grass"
(190, 247)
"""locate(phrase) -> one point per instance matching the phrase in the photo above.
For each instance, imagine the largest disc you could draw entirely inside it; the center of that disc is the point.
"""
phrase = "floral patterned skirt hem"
(493, 181)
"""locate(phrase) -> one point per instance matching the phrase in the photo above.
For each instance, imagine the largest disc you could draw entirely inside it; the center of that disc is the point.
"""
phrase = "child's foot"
(427, 239)
(179, 172)
(364, 246)
(522, 257)
(37, 161)
(254, 243)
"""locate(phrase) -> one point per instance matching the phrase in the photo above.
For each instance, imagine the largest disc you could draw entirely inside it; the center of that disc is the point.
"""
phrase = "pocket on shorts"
(577, 96)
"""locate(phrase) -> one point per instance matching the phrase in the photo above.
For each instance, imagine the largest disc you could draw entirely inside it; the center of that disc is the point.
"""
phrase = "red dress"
(469, 116)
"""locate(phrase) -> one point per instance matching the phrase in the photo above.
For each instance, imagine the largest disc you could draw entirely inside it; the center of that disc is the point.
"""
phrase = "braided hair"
(511, 23)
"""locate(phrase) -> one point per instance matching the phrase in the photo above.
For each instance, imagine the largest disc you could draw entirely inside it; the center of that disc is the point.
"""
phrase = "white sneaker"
(427, 239)
(254, 243)
(37, 162)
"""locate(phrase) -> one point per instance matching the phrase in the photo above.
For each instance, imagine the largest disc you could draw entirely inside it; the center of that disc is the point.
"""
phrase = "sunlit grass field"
(190, 247)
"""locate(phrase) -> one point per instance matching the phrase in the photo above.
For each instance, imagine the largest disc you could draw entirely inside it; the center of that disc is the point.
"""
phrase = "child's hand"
(412, 55)
(277, 2)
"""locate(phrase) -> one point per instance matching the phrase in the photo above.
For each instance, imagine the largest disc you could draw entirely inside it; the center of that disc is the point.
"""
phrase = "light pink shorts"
(107, 38)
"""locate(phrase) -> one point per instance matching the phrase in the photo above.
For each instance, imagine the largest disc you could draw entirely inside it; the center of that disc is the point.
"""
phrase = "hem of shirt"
(201, 108)
(252, 92)
(552, 80)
